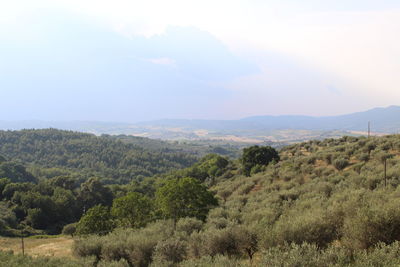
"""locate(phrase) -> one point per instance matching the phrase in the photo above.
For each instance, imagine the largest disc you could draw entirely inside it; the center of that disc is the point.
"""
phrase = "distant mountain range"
(250, 129)
(383, 120)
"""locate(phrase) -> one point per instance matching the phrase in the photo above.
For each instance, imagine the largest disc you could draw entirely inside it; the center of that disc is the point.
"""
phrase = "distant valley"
(250, 130)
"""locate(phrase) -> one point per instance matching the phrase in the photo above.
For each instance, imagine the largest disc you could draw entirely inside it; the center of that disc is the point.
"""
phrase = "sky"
(132, 61)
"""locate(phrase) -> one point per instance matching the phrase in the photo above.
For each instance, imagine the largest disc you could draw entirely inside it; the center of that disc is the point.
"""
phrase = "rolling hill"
(256, 129)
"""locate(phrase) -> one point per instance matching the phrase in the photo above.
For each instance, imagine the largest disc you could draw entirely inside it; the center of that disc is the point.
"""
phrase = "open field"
(57, 246)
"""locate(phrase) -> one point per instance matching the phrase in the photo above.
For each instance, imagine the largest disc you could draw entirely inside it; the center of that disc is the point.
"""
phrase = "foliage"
(69, 229)
(97, 220)
(15, 172)
(185, 197)
(189, 225)
(341, 163)
(136, 247)
(170, 250)
(378, 221)
(10, 260)
(211, 165)
(307, 209)
(255, 155)
(236, 240)
(92, 192)
(133, 210)
(105, 157)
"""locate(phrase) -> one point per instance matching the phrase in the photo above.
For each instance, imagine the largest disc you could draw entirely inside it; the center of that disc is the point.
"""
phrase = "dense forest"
(319, 203)
(55, 176)
(113, 159)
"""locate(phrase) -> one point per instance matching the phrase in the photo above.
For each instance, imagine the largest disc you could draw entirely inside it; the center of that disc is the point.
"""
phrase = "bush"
(381, 255)
(304, 255)
(310, 255)
(189, 225)
(69, 229)
(170, 250)
(328, 158)
(256, 169)
(219, 260)
(120, 263)
(140, 249)
(233, 241)
(88, 247)
(363, 157)
(312, 226)
(341, 163)
(377, 222)
(136, 247)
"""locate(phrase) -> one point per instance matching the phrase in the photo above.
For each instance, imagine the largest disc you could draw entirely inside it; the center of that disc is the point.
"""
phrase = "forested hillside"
(324, 203)
(319, 203)
(49, 178)
(54, 151)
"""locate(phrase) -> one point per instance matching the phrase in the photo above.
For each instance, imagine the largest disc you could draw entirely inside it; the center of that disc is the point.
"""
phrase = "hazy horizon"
(130, 61)
(205, 119)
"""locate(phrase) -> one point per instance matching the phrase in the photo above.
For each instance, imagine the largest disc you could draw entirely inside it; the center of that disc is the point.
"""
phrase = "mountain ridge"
(383, 120)
(356, 121)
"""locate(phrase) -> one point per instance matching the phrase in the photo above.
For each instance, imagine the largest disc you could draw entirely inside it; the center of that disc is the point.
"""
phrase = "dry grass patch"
(57, 247)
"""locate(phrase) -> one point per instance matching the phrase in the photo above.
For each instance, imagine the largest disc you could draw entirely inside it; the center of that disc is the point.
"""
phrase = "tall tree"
(133, 210)
(97, 220)
(93, 192)
(185, 197)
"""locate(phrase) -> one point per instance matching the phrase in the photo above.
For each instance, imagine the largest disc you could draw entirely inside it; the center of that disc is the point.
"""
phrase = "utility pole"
(22, 245)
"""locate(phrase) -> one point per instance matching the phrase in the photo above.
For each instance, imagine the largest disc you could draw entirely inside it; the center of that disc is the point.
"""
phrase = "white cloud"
(162, 61)
(360, 49)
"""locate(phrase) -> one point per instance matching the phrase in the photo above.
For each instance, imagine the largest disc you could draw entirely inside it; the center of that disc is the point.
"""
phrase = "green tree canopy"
(133, 210)
(92, 192)
(16, 172)
(185, 197)
(97, 220)
(257, 155)
(209, 166)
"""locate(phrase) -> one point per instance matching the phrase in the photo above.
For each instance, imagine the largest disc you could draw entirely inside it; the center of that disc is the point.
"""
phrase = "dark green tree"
(40, 209)
(257, 155)
(133, 210)
(3, 183)
(209, 166)
(185, 197)
(16, 173)
(11, 188)
(93, 192)
(97, 220)
(66, 204)
(63, 182)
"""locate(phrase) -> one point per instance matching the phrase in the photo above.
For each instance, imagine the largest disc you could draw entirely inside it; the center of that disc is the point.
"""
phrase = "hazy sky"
(134, 60)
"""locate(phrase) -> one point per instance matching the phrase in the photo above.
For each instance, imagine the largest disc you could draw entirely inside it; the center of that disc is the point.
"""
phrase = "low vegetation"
(320, 203)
